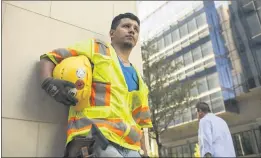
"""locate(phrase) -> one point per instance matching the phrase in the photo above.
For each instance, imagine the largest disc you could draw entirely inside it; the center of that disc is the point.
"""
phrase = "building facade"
(33, 124)
(220, 50)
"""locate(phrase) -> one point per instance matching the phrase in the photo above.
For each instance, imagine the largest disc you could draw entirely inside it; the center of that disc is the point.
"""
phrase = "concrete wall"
(33, 124)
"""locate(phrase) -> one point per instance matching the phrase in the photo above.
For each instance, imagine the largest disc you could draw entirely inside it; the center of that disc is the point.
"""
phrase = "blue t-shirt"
(130, 76)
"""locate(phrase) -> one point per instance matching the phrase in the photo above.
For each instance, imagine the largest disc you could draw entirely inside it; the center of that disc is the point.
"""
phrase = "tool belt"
(82, 146)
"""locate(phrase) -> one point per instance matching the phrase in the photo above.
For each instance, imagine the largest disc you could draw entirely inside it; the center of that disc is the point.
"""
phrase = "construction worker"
(214, 136)
(119, 97)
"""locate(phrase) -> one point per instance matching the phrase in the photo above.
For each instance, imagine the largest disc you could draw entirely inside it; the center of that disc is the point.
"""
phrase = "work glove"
(59, 90)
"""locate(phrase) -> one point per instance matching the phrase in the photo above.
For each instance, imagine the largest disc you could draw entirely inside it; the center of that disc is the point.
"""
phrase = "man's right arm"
(58, 89)
(205, 136)
(46, 68)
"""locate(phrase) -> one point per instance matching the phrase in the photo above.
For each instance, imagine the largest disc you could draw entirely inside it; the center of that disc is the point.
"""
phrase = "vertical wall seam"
(3, 13)
(113, 10)
(50, 11)
(37, 140)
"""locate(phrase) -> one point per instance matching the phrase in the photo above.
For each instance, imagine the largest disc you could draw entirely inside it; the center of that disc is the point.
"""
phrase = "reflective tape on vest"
(100, 47)
(100, 94)
(141, 115)
(61, 53)
(114, 125)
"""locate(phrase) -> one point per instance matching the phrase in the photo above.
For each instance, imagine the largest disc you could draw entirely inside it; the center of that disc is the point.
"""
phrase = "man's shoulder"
(97, 40)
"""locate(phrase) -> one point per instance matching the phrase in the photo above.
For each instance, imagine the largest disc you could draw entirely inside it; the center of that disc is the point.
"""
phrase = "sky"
(167, 12)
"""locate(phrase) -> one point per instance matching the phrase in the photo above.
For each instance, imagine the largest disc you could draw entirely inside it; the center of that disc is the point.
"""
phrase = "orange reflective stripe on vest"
(100, 94)
(100, 47)
(116, 126)
(62, 53)
(140, 115)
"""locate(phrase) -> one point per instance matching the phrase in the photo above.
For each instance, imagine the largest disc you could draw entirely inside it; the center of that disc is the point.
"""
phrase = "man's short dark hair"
(117, 19)
(202, 106)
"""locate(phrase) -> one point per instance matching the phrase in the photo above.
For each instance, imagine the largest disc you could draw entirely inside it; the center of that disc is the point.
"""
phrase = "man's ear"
(112, 33)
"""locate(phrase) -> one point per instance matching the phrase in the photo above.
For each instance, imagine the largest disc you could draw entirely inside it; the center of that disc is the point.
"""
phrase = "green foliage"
(168, 95)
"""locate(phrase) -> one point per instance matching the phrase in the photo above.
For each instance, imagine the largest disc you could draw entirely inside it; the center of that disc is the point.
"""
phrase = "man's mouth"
(129, 36)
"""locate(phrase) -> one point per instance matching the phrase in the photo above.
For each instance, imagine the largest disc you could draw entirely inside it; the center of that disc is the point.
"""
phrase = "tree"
(168, 96)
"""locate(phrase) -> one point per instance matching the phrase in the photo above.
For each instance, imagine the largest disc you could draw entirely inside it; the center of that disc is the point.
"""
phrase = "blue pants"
(114, 150)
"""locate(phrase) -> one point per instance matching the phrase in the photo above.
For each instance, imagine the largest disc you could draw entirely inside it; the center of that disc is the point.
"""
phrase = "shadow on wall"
(38, 105)
(52, 116)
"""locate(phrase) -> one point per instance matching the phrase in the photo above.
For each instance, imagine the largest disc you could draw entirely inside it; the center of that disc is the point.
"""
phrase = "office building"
(219, 47)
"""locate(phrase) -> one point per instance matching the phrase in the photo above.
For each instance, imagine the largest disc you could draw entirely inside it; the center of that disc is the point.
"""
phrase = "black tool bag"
(80, 147)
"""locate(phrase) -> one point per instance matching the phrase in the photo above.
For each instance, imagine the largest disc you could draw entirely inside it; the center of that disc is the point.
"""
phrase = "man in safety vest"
(118, 104)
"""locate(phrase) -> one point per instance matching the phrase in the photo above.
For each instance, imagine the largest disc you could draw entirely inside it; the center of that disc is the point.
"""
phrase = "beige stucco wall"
(32, 123)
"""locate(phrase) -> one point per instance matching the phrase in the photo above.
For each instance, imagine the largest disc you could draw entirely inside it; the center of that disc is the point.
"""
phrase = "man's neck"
(123, 53)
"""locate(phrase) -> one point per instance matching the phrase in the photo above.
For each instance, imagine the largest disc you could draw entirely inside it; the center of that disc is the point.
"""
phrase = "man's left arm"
(206, 138)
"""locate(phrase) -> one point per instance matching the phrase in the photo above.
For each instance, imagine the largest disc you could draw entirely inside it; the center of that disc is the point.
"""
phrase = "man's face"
(200, 114)
(126, 34)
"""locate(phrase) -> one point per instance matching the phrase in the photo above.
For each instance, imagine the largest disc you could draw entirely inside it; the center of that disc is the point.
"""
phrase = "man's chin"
(128, 45)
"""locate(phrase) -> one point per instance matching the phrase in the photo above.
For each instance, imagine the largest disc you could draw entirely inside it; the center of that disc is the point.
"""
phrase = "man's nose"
(131, 30)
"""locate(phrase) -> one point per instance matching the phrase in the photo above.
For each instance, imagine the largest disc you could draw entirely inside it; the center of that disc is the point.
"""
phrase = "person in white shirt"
(214, 136)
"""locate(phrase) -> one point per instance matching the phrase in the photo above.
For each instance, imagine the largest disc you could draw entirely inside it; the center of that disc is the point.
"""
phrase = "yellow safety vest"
(118, 113)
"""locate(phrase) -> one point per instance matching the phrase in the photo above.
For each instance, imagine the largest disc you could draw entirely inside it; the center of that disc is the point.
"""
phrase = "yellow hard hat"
(77, 70)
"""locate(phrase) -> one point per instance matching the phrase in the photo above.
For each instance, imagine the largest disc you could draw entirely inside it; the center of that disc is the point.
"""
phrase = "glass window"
(206, 99)
(213, 81)
(206, 48)
(194, 91)
(155, 46)
(179, 151)
(187, 58)
(217, 102)
(161, 44)
(193, 146)
(177, 48)
(244, 143)
(248, 142)
(254, 24)
(198, 68)
(201, 19)
(194, 38)
(258, 58)
(186, 115)
(258, 138)
(259, 13)
(186, 151)
(244, 2)
(202, 85)
(179, 61)
(209, 63)
(183, 30)
(192, 26)
(196, 53)
(258, 4)
(174, 152)
(236, 143)
(169, 52)
(175, 35)
(167, 39)
(189, 72)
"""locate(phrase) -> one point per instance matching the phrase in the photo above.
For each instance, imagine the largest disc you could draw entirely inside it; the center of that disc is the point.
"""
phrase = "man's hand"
(58, 89)
(208, 155)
